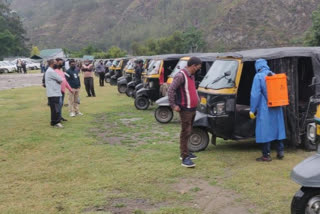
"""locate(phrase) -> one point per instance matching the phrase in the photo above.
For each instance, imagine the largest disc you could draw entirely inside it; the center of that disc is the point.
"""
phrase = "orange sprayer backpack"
(277, 90)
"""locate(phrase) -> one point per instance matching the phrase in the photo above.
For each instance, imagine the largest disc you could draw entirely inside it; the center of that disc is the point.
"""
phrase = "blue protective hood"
(261, 64)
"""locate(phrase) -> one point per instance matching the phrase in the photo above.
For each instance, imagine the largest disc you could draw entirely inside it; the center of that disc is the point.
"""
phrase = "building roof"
(49, 53)
(87, 57)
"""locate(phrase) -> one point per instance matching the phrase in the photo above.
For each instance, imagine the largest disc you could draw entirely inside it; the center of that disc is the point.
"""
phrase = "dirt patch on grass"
(212, 199)
(126, 206)
(10, 81)
(130, 130)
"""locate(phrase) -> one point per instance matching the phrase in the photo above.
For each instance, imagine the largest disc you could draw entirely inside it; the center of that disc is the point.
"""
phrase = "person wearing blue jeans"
(61, 102)
(269, 120)
(266, 150)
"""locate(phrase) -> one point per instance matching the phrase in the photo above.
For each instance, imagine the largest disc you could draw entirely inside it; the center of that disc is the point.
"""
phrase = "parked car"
(31, 65)
(7, 67)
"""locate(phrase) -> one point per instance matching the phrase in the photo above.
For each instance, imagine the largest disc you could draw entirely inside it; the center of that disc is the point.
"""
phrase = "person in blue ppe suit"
(269, 121)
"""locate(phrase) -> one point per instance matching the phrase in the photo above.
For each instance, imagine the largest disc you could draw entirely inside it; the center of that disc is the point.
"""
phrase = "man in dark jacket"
(72, 76)
(183, 98)
(138, 71)
(101, 70)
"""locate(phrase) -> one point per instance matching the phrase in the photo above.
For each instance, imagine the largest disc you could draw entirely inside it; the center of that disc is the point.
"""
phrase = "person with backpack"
(269, 120)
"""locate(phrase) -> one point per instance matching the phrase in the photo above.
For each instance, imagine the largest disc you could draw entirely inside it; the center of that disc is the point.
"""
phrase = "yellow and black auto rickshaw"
(131, 86)
(112, 70)
(164, 113)
(225, 96)
(156, 75)
(116, 70)
(127, 76)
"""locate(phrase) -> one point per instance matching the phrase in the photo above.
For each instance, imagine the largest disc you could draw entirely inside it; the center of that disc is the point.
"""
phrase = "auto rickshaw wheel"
(108, 79)
(141, 103)
(306, 201)
(122, 88)
(129, 91)
(163, 114)
(198, 140)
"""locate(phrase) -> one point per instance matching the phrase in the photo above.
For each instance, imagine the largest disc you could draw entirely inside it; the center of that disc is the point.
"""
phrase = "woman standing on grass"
(64, 85)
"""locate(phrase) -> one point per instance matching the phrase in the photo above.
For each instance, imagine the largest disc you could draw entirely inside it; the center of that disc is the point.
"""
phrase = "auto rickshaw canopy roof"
(273, 53)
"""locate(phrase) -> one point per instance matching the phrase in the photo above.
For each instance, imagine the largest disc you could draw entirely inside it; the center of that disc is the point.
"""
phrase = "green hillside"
(227, 24)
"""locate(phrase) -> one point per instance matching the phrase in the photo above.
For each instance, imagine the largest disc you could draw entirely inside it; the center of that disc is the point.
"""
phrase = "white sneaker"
(79, 113)
(58, 125)
(72, 114)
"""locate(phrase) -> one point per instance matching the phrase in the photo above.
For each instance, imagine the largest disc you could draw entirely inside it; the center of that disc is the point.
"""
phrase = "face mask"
(55, 66)
(86, 64)
(60, 66)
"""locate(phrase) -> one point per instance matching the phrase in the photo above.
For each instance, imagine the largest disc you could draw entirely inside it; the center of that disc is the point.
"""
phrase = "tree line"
(12, 34)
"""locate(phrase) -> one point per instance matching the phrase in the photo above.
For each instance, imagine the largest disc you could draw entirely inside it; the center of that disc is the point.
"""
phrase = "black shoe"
(280, 156)
(89, 96)
(264, 159)
(187, 163)
(64, 119)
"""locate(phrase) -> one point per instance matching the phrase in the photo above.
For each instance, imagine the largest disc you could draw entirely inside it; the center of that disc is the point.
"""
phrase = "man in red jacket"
(183, 98)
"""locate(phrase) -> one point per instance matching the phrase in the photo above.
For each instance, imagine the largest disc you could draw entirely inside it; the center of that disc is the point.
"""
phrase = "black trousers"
(88, 82)
(101, 78)
(54, 103)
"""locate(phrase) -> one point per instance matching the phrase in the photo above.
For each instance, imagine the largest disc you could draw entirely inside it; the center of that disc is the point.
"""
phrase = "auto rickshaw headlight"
(220, 108)
(311, 132)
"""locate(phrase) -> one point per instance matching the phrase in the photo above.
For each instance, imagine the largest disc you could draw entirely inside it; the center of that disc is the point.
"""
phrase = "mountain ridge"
(227, 24)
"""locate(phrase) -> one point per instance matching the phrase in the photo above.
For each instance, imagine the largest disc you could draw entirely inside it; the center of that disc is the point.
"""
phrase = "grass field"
(115, 159)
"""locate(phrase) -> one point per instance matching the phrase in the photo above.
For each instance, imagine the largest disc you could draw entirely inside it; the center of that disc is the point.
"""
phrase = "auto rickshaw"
(225, 96)
(164, 113)
(156, 75)
(135, 85)
(118, 71)
(127, 77)
(307, 173)
(112, 70)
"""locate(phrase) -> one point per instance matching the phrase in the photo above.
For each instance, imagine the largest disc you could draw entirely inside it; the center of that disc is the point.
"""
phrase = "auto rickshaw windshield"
(154, 67)
(221, 75)
(181, 65)
(115, 63)
(131, 65)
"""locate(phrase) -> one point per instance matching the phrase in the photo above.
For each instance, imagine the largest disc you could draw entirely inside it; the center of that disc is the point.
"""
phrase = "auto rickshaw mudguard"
(201, 120)
(163, 101)
(121, 78)
(307, 172)
(142, 92)
(108, 75)
(122, 81)
(132, 84)
(139, 86)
